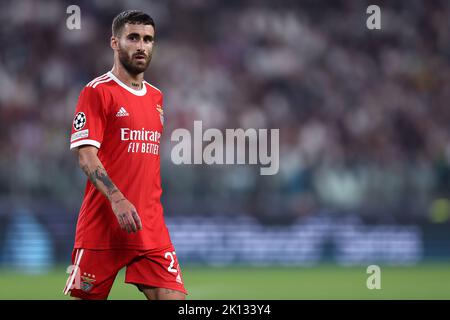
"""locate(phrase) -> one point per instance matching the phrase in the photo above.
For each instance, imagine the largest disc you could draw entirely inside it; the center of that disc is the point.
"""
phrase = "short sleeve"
(90, 119)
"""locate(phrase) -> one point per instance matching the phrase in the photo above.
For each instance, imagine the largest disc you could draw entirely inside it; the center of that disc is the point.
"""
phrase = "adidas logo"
(122, 113)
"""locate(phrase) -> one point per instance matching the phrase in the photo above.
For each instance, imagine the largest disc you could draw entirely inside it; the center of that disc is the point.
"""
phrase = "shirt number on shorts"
(172, 261)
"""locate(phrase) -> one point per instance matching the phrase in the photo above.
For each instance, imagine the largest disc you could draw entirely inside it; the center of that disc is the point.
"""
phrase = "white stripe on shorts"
(78, 256)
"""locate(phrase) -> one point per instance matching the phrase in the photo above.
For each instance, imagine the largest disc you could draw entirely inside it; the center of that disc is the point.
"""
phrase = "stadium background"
(364, 144)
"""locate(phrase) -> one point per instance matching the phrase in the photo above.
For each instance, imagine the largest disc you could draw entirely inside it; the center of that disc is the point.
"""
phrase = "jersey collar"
(141, 92)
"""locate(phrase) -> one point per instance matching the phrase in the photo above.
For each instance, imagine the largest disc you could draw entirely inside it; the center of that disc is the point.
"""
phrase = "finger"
(129, 223)
(129, 228)
(137, 220)
(132, 223)
(125, 222)
(122, 222)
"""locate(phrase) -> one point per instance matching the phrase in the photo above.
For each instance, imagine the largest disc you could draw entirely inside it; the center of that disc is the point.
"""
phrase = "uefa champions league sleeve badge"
(79, 121)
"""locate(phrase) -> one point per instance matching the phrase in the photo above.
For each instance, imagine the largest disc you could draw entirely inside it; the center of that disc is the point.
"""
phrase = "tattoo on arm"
(99, 174)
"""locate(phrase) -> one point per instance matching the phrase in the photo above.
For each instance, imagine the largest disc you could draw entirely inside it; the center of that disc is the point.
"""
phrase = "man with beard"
(116, 135)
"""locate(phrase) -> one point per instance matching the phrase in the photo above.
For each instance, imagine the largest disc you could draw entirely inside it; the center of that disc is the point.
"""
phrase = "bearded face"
(135, 47)
(134, 62)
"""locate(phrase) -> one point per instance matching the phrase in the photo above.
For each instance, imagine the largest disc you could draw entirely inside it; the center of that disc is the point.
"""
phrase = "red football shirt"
(126, 126)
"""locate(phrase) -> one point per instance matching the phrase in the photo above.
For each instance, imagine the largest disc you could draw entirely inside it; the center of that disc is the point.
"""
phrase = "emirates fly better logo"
(141, 141)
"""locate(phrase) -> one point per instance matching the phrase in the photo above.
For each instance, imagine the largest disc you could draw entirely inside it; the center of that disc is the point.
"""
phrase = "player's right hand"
(126, 215)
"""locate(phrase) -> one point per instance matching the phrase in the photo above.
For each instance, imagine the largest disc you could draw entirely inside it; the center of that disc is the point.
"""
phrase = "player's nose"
(141, 45)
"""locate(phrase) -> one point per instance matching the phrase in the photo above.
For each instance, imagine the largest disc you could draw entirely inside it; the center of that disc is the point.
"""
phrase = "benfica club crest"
(87, 282)
(161, 113)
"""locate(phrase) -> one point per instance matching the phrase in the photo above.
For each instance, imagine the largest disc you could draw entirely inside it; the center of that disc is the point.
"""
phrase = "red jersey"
(126, 126)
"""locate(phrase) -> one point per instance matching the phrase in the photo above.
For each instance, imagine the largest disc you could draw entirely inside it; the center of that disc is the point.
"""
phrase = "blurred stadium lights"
(27, 246)
(220, 241)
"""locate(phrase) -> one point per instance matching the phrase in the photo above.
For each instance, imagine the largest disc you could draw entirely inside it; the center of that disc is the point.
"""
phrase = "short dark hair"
(132, 17)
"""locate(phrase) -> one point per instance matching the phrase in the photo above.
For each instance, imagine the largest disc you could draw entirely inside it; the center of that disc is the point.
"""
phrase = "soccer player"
(116, 134)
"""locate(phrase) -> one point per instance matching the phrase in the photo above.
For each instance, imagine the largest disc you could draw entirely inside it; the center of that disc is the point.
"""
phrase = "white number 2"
(172, 261)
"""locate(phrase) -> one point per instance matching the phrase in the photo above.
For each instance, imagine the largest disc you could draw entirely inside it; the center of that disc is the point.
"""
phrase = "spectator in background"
(362, 115)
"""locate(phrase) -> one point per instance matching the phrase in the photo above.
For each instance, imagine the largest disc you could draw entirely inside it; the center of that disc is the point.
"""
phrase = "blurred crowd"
(362, 113)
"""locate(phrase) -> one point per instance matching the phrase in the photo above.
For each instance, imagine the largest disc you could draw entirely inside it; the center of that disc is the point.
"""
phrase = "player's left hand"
(126, 215)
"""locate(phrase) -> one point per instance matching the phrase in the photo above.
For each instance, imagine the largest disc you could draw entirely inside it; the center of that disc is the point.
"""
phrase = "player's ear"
(114, 44)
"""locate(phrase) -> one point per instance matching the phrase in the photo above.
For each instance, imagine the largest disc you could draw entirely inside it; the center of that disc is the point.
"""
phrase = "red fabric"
(97, 269)
(131, 159)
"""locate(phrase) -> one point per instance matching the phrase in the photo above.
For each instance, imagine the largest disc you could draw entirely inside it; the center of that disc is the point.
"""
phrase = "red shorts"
(93, 271)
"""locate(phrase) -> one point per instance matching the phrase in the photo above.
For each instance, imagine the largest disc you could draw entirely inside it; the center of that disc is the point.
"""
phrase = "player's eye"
(148, 39)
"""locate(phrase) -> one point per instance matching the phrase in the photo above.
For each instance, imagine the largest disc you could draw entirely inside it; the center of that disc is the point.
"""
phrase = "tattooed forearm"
(99, 175)
(90, 175)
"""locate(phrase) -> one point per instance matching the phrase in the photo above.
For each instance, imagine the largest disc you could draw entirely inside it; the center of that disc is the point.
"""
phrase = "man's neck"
(132, 81)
